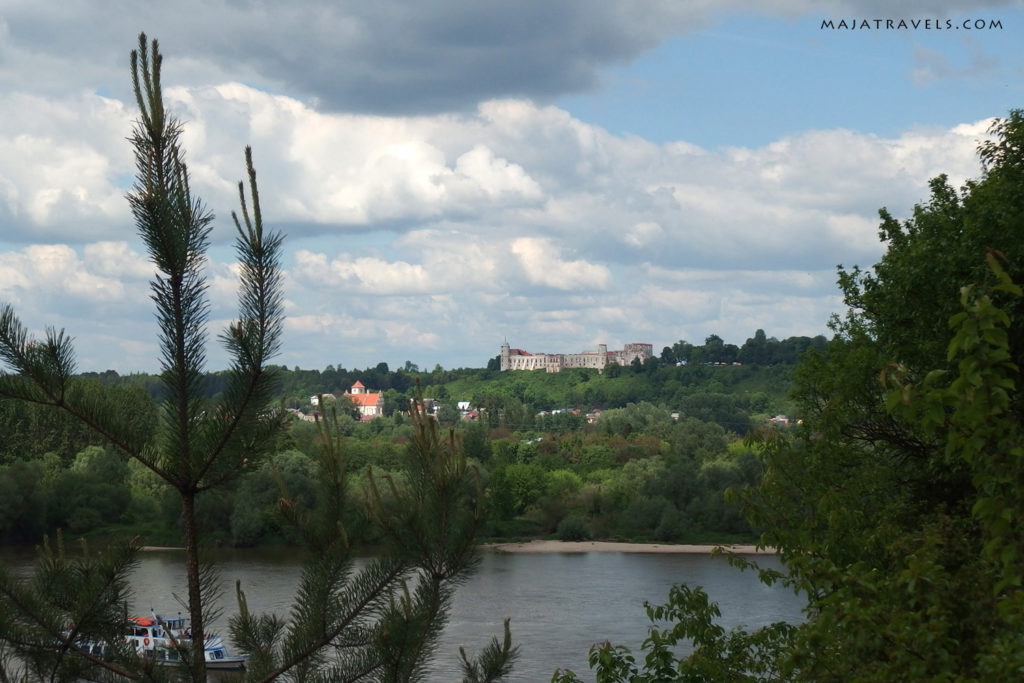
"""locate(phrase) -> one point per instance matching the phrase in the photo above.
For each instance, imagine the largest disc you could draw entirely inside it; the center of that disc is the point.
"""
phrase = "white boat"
(155, 638)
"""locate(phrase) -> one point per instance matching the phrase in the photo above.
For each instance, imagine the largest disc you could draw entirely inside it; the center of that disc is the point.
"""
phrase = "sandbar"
(547, 546)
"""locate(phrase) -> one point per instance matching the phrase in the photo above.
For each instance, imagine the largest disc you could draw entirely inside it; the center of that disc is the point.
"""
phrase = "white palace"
(517, 359)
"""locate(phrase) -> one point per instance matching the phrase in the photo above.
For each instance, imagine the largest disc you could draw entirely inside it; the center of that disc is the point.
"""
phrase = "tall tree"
(196, 444)
(883, 507)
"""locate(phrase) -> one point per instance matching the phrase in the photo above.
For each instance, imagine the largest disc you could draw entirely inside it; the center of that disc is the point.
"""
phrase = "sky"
(453, 174)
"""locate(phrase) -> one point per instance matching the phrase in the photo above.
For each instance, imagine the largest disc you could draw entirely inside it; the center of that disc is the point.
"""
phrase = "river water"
(559, 603)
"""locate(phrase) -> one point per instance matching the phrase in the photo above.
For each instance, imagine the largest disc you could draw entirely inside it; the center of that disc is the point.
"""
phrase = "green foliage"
(192, 443)
(573, 528)
(254, 515)
(68, 601)
(380, 621)
(895, 508)
(526, 484)
(23, 502)
(563, 483)
(32, 430)
(718, 655)
(493, 664)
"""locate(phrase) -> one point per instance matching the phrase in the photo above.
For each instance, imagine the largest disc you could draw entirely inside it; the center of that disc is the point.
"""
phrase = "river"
(559, 603)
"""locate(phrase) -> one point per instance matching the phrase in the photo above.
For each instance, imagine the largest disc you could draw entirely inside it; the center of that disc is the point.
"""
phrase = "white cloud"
(642, 233)
(435, 200)
(58, 175)
(117, 259)
(496, 177)
(541, 259)
(512, 167)
(518, 219)
(56, 271)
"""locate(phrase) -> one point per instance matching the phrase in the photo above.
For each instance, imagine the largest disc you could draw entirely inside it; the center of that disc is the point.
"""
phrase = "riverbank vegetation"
(638, 453)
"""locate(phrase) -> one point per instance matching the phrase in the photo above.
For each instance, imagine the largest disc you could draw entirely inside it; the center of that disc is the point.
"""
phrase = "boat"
(156, 638)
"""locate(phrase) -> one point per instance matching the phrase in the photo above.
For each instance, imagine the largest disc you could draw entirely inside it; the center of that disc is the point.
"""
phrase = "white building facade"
(517, 359)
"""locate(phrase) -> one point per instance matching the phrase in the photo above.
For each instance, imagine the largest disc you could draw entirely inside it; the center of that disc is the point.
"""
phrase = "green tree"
(718, 655)
(755, 349)
(24, 501)
(254, 513)
(526, 483)
(448, 413)
(90, 588)
(378, 620)
(885, 510)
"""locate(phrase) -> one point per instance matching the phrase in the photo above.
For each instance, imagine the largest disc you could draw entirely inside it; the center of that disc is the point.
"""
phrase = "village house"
(314, 400)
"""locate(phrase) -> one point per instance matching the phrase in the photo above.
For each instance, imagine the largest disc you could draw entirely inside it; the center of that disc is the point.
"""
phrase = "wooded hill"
(655, 463)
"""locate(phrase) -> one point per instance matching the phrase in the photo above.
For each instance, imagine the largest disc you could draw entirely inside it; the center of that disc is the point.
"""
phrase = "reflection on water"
(559, 603)
(562, 603)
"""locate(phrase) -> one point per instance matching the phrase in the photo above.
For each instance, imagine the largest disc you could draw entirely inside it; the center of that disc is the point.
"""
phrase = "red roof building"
(369, 405)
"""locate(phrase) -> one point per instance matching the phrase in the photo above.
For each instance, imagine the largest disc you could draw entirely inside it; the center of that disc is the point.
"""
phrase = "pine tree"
(197, 444)
(379, 623)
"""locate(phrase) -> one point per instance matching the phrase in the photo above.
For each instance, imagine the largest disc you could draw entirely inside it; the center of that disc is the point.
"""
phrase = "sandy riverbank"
(593, 547)
(614, 547)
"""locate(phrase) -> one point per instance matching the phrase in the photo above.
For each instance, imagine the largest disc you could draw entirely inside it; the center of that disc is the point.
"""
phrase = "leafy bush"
(573, 528)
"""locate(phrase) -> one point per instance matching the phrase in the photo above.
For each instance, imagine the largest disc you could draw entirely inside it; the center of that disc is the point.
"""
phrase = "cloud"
(517, 219)
(932, 66)
(542, 262)
(117, 259)
(57, 272)
(60, 160)
(435, 198)
(389, 56)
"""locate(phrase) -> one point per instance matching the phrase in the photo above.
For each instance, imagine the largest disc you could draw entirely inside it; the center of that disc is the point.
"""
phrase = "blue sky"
(748, 79)
(455, 173)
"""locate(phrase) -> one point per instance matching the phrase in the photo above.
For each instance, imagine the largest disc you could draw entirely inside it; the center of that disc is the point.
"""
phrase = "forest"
(639, 452)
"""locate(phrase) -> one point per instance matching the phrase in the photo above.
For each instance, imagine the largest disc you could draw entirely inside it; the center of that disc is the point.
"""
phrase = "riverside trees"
(896, 511)
(381, 622)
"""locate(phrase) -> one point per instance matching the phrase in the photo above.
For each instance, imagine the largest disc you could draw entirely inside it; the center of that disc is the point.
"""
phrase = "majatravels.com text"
(911, 24)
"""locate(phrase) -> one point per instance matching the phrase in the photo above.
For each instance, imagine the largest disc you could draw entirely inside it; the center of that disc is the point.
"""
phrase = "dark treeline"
(644, 451)
(298, 385)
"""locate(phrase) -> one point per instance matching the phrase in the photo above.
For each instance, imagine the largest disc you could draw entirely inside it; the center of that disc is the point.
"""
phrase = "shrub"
(573, 528)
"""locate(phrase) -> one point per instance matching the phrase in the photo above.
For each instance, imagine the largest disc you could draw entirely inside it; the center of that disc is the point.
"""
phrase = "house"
(299, 415)
(369, 405)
